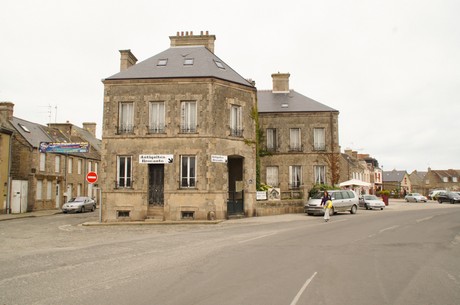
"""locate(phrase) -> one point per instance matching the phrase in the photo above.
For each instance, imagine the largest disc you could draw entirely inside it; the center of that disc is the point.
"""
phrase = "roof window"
(188, 62)
(219, 64)
(24, 127)
(162, 62)
(285, 105)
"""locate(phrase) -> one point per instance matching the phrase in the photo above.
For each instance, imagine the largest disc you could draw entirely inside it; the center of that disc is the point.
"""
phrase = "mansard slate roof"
(291, 101)
(204, 65)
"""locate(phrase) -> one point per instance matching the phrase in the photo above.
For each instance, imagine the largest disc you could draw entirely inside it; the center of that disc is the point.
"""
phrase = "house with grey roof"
(300, 140)
(40, 180)
(448, 180)
(178, 136)
(397, 181)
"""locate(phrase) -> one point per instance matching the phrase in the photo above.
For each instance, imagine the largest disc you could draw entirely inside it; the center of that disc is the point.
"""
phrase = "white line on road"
(294, 302)
(251, 239)
(65, 227)
(423, 219)
(387, 229)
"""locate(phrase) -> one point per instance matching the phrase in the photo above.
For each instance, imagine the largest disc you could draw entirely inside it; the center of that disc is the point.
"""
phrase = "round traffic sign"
(91, 177)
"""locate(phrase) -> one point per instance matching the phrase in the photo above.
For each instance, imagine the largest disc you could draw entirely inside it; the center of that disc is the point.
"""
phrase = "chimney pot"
(190, 40)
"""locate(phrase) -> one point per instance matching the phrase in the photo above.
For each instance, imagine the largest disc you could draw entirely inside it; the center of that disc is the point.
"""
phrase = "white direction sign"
(156, 159)
(218, 159)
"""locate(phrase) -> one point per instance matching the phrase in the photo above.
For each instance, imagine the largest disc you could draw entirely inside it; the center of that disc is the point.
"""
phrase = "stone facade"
(190, 185)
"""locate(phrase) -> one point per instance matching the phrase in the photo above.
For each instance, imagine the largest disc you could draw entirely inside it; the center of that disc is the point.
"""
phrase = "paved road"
(407, 254)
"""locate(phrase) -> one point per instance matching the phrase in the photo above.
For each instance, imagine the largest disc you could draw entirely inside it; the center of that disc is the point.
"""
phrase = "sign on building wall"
(218, 159)
(261, 195)
(82, 147)
(156, 159)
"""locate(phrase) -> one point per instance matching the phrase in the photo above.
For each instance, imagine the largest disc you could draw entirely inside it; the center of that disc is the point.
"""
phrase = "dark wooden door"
(156, 184)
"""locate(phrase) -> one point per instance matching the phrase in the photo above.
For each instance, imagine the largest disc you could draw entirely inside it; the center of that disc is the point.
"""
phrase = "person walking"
(326, 202)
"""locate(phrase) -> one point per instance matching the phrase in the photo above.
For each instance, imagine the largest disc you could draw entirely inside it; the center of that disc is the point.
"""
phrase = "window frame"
(157, 117)
(42, 165)
(271, 139)
(125, 174)
(236, 122)
(319, 172)
(188, 116)
(272, 176)
(319, 138)
(126, 117)
(295, 176)
(188, 171)
(295, 141)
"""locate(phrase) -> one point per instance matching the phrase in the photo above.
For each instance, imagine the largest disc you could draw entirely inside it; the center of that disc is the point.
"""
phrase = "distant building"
(44, 180)
(397, 182)
(442, 180)
(417, 179)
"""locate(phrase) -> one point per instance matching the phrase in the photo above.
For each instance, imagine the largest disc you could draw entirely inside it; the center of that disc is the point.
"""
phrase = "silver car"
(371, 202)
(79, 204)
(342, 201)
(415, 197)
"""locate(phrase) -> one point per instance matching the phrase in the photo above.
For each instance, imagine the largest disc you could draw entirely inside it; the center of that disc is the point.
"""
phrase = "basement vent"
(122, 214)
(188, 215)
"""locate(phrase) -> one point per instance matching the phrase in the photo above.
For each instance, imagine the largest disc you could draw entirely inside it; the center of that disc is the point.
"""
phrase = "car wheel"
(439, 200)
(353, 209)
(381, 209)
(82, 210)
(93, 208)
(366, 206)
(332, 211)
(452, 201)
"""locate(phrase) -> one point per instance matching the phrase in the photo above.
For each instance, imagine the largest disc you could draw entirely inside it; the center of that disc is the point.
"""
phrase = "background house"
(442, 180)
(38, 180)
(397, 182)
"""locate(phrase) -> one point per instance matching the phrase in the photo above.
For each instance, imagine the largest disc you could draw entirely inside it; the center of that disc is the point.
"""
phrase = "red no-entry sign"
(91, 177)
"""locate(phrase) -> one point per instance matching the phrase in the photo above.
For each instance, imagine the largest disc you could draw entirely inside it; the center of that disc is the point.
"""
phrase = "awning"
(354, 182)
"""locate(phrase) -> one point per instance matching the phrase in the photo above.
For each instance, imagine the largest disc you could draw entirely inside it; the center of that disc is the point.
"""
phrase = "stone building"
(178, 136)
(37, 180)
(448, 180)
(397, 182)
(301, 142)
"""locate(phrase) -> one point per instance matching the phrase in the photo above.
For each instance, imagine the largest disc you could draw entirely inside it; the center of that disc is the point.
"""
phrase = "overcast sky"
(391, 67)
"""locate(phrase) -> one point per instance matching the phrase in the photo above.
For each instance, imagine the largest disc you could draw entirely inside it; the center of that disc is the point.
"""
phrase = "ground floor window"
(188, 172)
(272, 176)
(320, 174)
(124, 171)
(295, 176)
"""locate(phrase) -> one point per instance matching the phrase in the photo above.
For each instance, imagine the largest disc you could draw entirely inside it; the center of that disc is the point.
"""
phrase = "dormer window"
(188, 62)
(219, 64)
(24, 127)
(162, 62)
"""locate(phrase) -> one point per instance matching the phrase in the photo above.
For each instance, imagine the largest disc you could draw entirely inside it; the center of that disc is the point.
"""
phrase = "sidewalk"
(29, 214)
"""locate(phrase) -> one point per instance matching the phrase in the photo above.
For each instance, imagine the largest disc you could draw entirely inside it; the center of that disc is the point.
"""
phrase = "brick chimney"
(280, 82)
(127, 59)
(6, 111)
(90, 127)
(188, 39)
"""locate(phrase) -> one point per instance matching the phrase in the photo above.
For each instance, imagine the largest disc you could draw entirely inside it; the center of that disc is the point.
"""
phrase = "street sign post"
(91, 177)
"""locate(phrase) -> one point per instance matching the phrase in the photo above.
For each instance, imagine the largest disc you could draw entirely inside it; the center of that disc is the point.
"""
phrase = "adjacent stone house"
(300, 140)
(442, 180)
(179, 136)
(417, 179)
(37, 180)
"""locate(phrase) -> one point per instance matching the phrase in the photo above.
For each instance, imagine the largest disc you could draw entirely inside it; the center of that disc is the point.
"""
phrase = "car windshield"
(416, 194)
(72, 199)
(80, 199)
(318, 195)
(370, 197)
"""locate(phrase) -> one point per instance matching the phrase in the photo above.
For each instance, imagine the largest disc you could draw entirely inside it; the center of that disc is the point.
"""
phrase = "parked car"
(415, 197)
(342, 201)
(79, 204)
(434, 193)
(452, 197)
(371, 202)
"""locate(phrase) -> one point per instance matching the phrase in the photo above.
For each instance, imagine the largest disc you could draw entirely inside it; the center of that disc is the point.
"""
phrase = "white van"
(342, 201)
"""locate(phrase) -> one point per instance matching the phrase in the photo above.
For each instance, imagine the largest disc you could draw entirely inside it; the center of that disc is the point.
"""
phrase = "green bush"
(319, 188)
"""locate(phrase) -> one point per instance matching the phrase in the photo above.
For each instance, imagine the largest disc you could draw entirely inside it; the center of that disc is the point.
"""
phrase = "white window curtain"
(271, 139)
(124, 172)
(235, 121)
(188, 116)
(57, 164)
(320, 174)
(295, 176)
(295, 139)
(188, 171)
(319, 138)
(272, 176)
(126, 117)
(39, 190)
(42, 162)
(157, 117)
(49, 189)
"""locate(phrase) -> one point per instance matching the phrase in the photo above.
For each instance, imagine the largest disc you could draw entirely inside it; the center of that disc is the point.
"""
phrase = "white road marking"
(258, 237)
(390, 228)
(423, 219)
(65, 227)
(296, 299)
